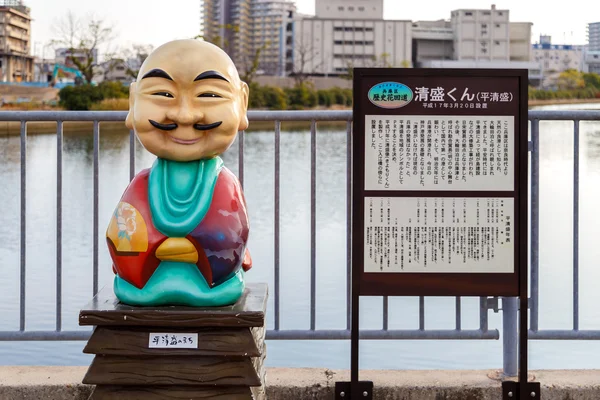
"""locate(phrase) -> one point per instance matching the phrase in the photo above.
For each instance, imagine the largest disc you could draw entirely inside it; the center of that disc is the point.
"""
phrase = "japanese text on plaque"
(440, 235)
(416, 152)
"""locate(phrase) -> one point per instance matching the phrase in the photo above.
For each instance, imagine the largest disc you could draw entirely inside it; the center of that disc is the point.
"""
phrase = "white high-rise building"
(349, 9)
(481, 34)
(244, 27)
(350, 33)
(592, 54)
(594, 36)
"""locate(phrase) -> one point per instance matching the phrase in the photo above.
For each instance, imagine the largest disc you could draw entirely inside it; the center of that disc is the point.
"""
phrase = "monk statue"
(179, 233)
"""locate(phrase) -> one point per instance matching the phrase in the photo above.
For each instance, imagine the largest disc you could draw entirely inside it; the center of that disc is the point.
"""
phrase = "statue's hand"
(177, 249)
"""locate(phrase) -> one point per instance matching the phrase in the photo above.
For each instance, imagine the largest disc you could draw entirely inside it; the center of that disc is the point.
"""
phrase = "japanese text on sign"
(439, 235)
(173, 340)
(421, 152)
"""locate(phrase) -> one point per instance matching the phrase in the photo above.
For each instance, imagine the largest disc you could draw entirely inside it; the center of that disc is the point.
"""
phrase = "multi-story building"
(16, 63)
(349, 9)
(481, 35)
(593, 32)
(65, 56)
(432, 40)
(592, 53)
(349, 33)
(520, 41)
(557, 57)
(272, 34)
(482, 38)
(244, 27)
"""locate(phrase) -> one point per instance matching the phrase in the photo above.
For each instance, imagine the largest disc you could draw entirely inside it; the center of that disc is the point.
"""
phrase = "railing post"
(510, 336)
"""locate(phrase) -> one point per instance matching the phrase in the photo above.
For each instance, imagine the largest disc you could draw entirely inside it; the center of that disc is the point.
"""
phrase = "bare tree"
(305, 64)
(135, 57)
(83, 38)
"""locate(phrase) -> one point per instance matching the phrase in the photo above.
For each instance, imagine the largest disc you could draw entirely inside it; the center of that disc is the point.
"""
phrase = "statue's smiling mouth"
(173, 126)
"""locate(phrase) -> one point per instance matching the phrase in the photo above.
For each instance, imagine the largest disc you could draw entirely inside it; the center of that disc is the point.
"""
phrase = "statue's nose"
(185, 114)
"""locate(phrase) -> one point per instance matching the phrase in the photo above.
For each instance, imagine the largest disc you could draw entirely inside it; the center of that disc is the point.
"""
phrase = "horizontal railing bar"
(73, 116)
(256, 115)
(565, 115)
(45, 335)
(300, 115)
(341, 334)
(381, 334)
(564, 335)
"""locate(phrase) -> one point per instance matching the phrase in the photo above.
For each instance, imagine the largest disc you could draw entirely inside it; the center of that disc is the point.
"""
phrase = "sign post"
(439, 192)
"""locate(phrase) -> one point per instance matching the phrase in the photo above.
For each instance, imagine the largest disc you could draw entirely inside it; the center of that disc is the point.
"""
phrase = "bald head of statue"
(188, 101)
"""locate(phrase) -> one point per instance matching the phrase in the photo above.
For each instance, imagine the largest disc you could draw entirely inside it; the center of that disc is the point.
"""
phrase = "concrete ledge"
(58, 383)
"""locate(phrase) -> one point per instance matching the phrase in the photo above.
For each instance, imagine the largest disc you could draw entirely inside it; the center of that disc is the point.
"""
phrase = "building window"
(361, 9)
(340, 8)
(483, 26)
(350, 8)
(500, 13)
(496, 42)
(497, 25)
(468, 13)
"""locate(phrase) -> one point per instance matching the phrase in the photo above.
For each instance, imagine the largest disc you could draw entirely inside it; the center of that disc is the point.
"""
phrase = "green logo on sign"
(390, 95)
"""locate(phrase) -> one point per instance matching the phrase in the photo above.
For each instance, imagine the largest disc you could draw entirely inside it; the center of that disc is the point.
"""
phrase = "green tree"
(570, 80)
(591, 80)
(79, 98)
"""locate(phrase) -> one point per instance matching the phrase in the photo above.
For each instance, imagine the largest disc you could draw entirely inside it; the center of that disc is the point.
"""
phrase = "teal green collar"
(180, 193)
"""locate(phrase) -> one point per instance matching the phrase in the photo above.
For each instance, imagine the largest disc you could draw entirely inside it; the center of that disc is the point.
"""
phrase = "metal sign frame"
(514, 283)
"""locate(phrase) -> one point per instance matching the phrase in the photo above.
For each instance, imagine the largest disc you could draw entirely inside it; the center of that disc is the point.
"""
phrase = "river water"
(556, 222)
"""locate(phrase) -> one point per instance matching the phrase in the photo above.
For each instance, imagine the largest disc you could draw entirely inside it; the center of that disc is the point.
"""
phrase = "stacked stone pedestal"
(140, 351)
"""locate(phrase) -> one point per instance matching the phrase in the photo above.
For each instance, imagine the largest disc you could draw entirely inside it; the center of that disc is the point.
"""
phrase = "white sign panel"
(424, 152)
(173, 340)
(439, 235)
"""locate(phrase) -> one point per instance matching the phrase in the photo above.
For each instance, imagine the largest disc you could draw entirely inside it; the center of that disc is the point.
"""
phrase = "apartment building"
(592, 53)
(65, 56)
(557, 57)
(244, 27)
(16, 63)
(593, 33)
(272, 34)
(349, 33)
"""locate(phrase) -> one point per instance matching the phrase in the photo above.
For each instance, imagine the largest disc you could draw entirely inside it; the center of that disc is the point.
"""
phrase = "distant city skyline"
(151, 22)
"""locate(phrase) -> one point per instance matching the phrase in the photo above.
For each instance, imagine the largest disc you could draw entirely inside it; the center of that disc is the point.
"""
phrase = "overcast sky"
(158, 21)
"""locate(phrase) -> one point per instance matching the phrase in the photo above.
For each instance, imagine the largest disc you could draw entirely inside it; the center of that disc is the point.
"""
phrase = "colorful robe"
(220, 237)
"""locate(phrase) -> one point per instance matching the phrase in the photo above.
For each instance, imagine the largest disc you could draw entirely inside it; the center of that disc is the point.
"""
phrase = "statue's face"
(188, 102)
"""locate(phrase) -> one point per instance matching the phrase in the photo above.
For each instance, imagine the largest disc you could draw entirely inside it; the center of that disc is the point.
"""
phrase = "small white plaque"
(173, 341)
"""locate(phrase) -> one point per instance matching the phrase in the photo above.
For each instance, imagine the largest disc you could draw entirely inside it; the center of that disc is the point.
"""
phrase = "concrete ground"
(58, 383)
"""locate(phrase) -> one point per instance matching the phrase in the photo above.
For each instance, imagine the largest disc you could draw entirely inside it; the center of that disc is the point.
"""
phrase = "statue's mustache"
(170, 127)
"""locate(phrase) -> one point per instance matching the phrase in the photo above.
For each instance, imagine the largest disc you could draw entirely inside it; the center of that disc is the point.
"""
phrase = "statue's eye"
(209, 95)
(164, 94)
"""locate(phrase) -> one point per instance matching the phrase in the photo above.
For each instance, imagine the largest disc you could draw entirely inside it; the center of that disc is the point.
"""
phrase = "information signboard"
(439, 193)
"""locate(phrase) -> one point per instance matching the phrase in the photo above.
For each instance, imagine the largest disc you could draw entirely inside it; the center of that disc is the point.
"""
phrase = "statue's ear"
(129, 119)
(244, 93)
